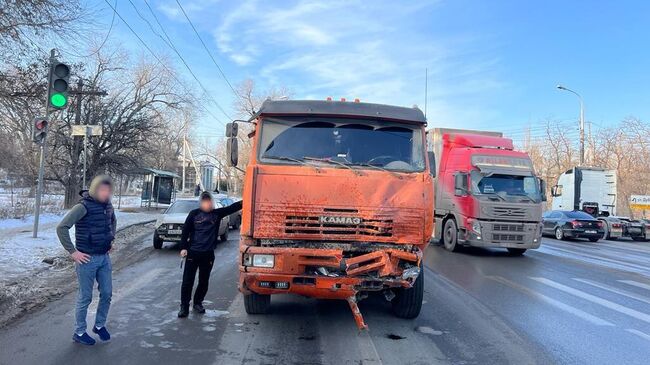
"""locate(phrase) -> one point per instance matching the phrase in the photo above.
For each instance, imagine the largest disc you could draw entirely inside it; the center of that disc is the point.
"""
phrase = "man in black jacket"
(198, 241)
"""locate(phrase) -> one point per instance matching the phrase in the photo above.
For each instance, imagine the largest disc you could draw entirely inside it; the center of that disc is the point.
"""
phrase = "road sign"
(640, 202)
(86, 130)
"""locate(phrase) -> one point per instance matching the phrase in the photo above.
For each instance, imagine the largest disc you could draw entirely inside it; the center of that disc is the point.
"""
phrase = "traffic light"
(40, 130)
(58, 93)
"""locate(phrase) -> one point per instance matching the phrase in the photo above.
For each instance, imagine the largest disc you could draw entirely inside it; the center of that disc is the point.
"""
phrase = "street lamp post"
(582, 123)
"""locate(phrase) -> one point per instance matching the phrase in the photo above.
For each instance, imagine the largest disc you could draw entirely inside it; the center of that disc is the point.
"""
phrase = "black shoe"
(184, 311)
(199, 308)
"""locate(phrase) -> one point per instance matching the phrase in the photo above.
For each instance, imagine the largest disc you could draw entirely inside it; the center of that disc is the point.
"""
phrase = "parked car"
(169, 227)
(235, 218)
(613, 227)
(633, 229)
(564, 224)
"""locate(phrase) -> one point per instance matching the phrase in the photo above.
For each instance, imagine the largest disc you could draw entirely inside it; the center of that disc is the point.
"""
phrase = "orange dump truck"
(337, 203)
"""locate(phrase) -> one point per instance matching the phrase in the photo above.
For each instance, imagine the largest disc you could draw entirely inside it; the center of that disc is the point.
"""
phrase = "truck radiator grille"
(295, 224)
(498, 227)
(509, 212)
(500, 237)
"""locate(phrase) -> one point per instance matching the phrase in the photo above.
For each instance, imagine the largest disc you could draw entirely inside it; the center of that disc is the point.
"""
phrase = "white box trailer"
(586, 188)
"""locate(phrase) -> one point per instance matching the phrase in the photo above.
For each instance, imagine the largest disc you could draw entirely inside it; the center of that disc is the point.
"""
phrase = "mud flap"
(358, 318)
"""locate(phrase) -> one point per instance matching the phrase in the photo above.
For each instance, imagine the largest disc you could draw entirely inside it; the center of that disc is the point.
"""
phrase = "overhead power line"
(157, 58)
(206, 48)
(173, 47)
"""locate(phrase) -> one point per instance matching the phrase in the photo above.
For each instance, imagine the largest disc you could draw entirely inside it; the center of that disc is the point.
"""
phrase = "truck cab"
(487, 194)
(337, 203)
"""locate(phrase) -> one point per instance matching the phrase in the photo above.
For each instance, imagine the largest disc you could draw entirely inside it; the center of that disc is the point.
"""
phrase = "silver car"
(169, 226)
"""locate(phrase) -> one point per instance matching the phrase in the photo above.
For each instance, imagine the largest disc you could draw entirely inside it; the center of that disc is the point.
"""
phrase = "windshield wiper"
(329, 160)
(379, 168)
(525, 196)
(285, 158)
(495, 194)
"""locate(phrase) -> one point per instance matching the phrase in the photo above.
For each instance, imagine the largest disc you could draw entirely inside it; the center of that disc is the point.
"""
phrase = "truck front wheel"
(257, 303)
(450, 236)
(408, 302)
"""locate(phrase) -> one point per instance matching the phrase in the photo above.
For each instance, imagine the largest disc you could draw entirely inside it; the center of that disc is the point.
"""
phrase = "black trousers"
(201, 261)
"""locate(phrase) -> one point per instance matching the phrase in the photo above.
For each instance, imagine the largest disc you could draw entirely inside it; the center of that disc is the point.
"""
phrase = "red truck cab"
(487, 194)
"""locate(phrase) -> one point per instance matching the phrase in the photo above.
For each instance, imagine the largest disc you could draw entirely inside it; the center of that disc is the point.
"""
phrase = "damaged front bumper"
(335, 272)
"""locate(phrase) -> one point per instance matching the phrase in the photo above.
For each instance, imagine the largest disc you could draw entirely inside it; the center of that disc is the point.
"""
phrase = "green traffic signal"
(58, 100)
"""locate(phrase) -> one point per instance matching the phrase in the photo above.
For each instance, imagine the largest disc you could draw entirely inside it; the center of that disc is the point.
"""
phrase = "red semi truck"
(486, 193)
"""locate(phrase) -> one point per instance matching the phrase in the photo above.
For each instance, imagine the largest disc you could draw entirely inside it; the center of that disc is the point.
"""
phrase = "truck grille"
(500, 227)
(509, 212)
(500, 237)
(295, 224)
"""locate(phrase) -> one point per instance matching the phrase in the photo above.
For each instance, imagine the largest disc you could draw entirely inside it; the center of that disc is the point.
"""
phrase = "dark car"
(235, 218)
(635, 229)
(572, 224)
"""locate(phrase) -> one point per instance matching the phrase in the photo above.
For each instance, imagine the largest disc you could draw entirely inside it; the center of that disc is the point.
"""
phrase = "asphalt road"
(570, 302)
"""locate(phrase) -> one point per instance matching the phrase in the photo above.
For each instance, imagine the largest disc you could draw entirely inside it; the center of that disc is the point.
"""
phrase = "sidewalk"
(21, 255)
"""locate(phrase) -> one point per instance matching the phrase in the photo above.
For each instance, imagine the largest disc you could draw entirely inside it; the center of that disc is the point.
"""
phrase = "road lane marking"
(556, 303)
(614, 290)
(636, 283)
(610, 264)
(594, 299)
(638, 266)
(643, 335)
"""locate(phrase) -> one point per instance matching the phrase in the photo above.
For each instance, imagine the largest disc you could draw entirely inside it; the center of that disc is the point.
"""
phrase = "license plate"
(590, 231)
(175, 231)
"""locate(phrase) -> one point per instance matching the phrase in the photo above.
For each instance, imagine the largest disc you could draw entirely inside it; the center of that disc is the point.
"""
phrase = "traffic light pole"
(41, 166)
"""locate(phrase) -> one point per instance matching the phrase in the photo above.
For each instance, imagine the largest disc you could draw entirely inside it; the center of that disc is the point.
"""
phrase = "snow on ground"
(20, 254)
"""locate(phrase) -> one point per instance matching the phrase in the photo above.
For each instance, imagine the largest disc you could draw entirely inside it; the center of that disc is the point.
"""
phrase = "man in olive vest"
(94, 222)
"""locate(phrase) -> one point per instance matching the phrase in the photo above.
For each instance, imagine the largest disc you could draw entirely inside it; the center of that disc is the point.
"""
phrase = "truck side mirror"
(556, 190)
(460, 184)
(231, 129)
(232, 151)
(432, 162)
(542, 189)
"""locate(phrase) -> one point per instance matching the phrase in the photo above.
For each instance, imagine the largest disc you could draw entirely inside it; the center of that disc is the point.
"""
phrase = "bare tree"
(22, 22)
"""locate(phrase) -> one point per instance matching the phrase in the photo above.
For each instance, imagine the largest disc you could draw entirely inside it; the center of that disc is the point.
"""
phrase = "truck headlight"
(476, 227)
(259, 260)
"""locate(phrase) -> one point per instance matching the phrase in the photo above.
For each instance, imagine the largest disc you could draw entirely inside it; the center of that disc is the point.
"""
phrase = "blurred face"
(206, 205)
(104, 193)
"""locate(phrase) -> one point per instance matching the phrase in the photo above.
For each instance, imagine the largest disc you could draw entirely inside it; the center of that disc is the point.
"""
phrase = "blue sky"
(492, 64)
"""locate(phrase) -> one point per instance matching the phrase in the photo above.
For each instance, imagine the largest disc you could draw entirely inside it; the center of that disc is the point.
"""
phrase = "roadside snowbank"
(20, 254)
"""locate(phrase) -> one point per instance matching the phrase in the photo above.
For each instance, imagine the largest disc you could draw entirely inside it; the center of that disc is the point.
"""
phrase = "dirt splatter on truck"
(338, 202)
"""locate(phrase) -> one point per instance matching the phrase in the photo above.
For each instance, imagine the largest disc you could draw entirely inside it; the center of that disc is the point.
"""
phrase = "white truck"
(590, 189)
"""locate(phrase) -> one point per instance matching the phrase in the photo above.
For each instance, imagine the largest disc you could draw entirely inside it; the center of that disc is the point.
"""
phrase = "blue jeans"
(98, 268)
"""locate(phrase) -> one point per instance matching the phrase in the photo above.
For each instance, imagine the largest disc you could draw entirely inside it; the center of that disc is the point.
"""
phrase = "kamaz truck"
(487, 194)
(337, 203)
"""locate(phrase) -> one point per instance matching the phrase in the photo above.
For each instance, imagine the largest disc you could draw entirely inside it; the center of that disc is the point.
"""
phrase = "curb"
(134, 224)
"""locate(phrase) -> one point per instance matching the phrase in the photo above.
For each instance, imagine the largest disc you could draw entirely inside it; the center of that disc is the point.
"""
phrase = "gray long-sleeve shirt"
(63, 229)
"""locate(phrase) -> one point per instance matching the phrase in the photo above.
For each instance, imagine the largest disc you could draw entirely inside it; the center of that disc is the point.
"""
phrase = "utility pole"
(41, 164)
(77, 119)
(582, 123)
(184, 162)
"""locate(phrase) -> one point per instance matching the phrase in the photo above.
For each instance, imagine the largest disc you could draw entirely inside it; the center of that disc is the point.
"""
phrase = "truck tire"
(516, 251)
(450, 236)
(408, 302)
(559, 234)
(257, 303)
(157, 242)
(224, 236)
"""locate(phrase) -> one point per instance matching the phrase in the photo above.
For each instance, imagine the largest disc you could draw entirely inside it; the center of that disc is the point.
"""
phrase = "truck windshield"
(356, 143)
(507, 187)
